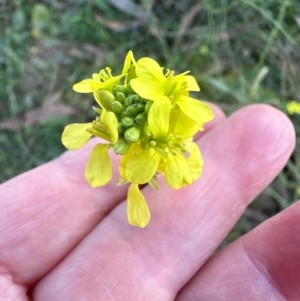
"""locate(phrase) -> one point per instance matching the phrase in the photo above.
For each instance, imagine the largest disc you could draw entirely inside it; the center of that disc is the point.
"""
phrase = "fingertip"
(251, 147)
(270, 122)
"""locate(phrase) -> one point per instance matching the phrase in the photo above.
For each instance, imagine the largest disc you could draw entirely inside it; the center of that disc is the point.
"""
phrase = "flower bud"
(120, 97)
(131, 111)
(123, 114)
(116, 107)
(121, 146)
(132, 134)
(148, 106)
(140, 107)
(135, 98)
(106, 98)
(128, 101)
(120, 88)
(128, 121)
(141, 118)
(121, 128)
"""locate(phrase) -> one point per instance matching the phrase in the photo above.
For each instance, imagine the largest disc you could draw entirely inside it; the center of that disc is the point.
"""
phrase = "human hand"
(63, 240)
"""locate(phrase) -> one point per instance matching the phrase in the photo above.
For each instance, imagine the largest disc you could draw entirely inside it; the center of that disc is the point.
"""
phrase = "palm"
(62, 240)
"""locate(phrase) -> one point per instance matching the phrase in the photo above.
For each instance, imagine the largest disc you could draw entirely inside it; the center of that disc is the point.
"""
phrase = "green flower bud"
(128, 121)
(141, 118)
(135, 98)
(120, 88)
(121, 128)
(132, 134)
(131, 111)
(120, 97)
(106, 98)
(123, 114)
(116, 107)
(121, 146)
(148, 106)
(128, 101)
(140, 107)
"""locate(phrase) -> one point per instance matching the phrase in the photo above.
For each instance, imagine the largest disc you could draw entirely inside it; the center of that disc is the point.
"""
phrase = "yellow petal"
(129, 60)
(149, 89)
(98, 171)
(130, 75)
(177, 171)
(91, 85)
(75, 135)
(83, 86)
(133, 150)
(182, 125)
(150, 81)
(158, 117)
(137, 210)
(191, 83)
(149, 69)
(141, 168)
(180, 85)
(129, 67)
(110, 122)
(109, 84)
(195, 109)
(194, 161)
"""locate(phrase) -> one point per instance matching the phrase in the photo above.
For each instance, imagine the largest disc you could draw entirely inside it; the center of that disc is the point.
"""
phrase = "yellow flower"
(147, 118)
(99, 168)
(104, 80)
(151, 83)
(293, 107)
(164, 150)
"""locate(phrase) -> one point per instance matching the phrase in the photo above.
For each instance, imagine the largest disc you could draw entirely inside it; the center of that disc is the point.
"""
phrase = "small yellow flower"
(151, 83)
(163, 150)
(293, 107)
(147, 118)
(99, 168)
(104, 80)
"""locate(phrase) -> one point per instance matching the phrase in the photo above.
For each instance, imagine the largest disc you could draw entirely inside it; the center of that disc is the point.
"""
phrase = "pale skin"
(63, 240)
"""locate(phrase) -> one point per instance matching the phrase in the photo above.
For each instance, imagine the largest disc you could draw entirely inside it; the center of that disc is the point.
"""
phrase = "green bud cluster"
(131, 111)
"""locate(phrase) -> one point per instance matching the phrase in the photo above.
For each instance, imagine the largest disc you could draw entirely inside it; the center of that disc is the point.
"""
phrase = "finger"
(50, 209)
(262, 265)
(242, 155)
(44, 213)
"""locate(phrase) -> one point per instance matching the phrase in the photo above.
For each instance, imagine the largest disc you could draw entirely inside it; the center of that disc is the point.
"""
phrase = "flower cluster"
(148, 118)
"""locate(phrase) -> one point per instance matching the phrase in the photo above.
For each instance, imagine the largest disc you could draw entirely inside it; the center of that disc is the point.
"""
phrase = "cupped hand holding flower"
(64, 240)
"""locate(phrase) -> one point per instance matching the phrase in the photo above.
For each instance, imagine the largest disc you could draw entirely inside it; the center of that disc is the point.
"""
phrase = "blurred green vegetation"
(240, 51)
